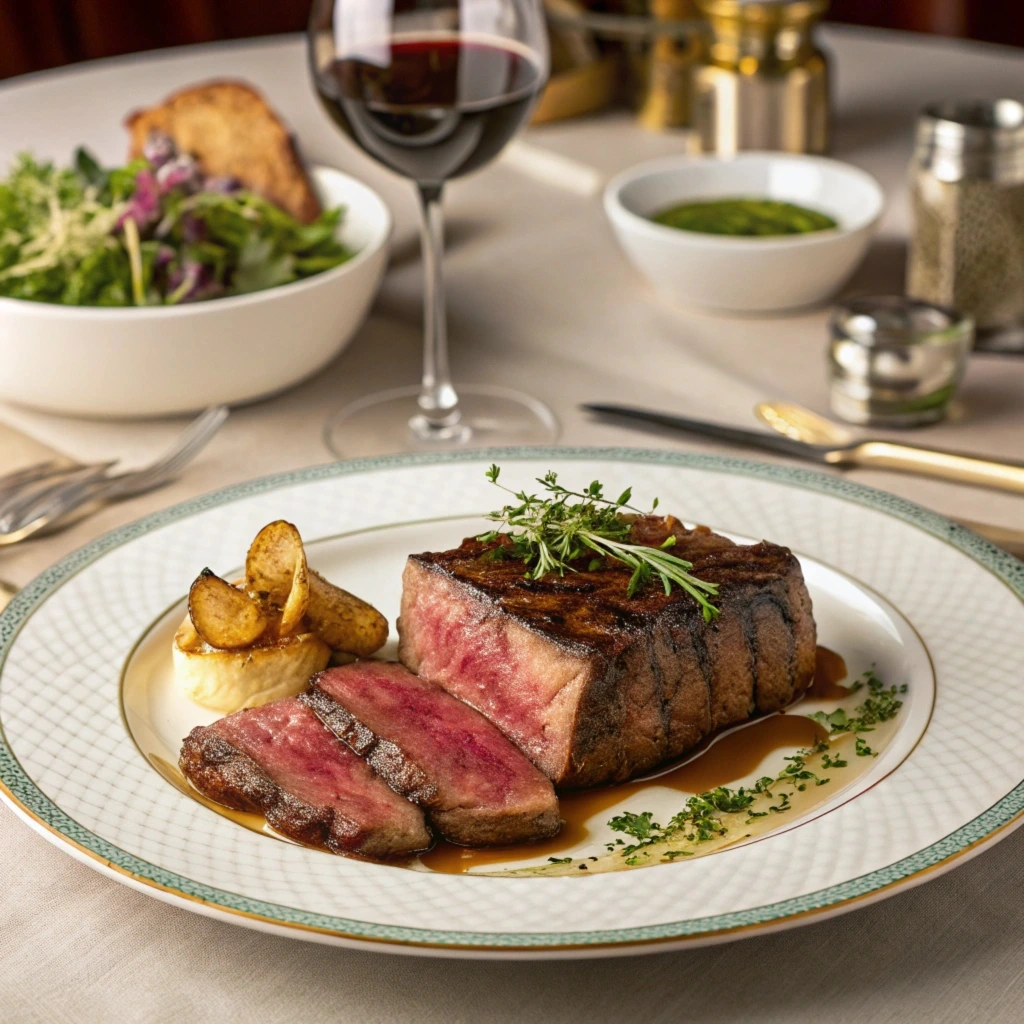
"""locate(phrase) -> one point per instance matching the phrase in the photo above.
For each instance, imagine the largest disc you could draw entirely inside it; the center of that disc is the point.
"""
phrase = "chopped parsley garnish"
(879, 706)
(700, 820)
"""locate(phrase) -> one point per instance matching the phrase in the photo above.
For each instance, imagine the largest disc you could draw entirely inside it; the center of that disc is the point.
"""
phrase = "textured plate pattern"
(68, 761)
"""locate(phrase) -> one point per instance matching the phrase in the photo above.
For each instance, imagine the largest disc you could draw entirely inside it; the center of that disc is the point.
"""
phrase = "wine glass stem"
(438, 402)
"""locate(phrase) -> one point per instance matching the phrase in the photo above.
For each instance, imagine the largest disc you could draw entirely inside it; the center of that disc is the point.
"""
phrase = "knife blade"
(959, 467)
(720, 431)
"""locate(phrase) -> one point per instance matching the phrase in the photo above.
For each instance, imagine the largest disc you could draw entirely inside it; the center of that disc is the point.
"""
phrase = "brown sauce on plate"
(829, 672)
(719, 761)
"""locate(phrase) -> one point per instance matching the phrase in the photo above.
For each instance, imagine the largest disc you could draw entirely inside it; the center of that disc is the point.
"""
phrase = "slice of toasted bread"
(231, 131)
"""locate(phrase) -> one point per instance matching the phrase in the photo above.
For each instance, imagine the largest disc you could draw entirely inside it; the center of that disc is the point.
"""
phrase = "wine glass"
(431, 89)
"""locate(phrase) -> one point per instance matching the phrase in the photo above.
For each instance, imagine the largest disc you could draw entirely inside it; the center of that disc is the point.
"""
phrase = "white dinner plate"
(88, 704)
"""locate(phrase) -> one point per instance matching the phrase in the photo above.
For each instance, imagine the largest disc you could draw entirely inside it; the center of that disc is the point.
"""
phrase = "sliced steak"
(279, 760)
(595, 686)
(477, 788)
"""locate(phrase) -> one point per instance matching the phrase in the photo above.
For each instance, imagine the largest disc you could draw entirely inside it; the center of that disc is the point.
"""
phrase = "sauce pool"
(718, 761)
(744, 218)
(829, 672)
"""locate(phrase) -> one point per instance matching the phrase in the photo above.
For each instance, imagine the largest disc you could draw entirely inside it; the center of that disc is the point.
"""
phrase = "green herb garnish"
(700, 820)
(881, 705)
(549, 533)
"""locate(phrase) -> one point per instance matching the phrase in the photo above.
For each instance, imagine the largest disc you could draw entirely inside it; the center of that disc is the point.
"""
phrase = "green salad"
(156, 232)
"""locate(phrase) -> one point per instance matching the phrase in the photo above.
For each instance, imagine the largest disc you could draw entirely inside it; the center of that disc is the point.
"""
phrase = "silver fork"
(48, 508)
(14, 483)
(35, 492)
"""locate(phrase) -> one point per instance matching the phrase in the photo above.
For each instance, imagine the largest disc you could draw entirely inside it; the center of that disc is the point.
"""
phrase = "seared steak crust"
(280, 761)
(476, 787)
(595, 686)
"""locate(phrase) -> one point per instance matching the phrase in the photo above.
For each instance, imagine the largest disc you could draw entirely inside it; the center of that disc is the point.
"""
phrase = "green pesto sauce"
(749, 217)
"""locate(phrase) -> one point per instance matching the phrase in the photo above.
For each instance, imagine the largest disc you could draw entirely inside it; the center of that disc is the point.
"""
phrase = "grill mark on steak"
(691, 706)
(772, 649)
(749, 627)
(592, 685)
(661, 684)
(224, 774)
(696, 630)
(279, 760)
(383, 756)
(477, 788)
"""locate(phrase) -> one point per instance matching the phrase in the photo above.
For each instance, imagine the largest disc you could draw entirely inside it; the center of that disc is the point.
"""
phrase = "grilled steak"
(279, 760)
(595, 686)
(477, 788)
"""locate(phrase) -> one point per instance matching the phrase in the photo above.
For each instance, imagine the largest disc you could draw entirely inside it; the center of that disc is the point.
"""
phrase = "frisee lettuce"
(154, 232)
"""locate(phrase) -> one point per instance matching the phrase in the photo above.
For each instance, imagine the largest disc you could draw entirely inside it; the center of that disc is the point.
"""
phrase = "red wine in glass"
(432, 90)
(435, 108)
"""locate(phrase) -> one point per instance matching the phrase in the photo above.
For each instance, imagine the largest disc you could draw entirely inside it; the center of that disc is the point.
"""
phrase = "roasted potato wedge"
(271, 562)
(344, 621)
(260, 638)
(298, 598)
(226, 680)
(224, 616)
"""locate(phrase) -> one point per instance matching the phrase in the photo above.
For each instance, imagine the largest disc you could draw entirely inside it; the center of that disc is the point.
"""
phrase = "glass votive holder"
(896, 361)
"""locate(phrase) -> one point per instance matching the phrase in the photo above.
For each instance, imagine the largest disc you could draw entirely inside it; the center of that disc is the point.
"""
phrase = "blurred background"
(48, 33)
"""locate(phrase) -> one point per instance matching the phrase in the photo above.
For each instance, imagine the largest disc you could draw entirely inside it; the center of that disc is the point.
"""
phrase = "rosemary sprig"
(548, 533)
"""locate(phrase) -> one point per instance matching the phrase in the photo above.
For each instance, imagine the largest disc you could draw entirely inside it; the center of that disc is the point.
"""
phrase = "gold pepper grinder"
(760, 81)
(666, 103)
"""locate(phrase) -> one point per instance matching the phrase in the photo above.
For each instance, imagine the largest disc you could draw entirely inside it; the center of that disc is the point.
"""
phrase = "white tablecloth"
(540, 299)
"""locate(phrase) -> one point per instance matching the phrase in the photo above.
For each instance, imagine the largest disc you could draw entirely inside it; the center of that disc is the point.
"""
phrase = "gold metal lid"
(763, 12)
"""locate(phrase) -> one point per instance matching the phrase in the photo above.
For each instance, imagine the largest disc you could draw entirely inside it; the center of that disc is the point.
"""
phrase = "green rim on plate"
(27, 798)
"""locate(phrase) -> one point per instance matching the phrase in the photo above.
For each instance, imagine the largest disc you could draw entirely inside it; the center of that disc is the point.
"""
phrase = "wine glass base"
(391, 421)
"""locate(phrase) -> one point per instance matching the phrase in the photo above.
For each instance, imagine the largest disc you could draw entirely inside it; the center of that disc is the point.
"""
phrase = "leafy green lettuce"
(136, 235)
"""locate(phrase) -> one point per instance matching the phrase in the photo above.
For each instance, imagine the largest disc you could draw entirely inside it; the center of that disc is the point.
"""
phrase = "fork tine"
(27, 474)
(35, 473)
(197, 432)
(15, 507)
(207, 420)
(59, 500)
(188, 445)
(194, 445)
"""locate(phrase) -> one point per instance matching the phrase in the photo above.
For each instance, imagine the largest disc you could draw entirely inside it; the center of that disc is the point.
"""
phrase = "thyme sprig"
(550, 532)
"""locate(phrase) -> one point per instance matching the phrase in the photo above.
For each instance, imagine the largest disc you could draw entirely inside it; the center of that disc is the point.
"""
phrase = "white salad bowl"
(724, 273)
(160, 360)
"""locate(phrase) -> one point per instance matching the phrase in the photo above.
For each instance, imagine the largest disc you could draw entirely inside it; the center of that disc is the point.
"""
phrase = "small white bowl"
(160, 360)
(725, 273)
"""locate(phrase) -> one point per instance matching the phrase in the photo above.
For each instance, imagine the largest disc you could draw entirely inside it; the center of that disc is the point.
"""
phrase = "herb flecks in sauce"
(550, 533)
(722, 816)
(881, 705)
(744, 217)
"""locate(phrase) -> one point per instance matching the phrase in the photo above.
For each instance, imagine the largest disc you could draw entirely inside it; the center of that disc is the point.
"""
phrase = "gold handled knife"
(949, 465)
